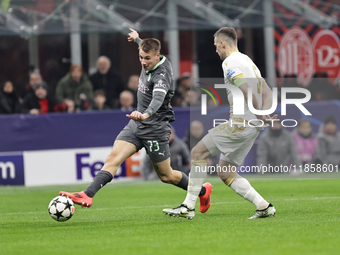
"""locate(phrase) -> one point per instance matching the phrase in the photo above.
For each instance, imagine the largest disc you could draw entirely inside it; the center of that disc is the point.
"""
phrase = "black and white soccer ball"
(61, 208)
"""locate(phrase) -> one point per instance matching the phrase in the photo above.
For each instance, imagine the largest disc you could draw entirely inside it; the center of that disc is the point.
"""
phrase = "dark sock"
(202, 192)
(183, 183)
(98, 182)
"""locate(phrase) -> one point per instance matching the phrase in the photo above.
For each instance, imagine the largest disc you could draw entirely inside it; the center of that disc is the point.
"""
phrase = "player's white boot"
(181, 211)
(269, 211)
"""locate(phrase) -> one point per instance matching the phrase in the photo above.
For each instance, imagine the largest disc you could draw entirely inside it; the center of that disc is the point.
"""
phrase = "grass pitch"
(127, 218)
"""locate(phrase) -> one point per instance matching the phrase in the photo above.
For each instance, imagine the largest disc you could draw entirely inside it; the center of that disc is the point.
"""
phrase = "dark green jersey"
(154, 84)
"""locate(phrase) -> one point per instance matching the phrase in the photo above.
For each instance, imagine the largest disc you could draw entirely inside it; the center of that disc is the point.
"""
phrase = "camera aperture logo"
(204, 98)
(239, 104)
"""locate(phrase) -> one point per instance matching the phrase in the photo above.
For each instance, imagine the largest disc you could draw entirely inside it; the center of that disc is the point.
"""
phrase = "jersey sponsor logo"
(230, 73)
(141, 87)
(160, 84)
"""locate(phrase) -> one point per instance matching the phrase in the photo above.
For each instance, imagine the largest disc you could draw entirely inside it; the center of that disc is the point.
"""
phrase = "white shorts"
(233, 142)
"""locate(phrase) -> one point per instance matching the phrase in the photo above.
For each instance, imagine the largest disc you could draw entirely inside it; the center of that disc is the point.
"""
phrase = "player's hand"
(266, 118)
(137, 116)
(133, 35)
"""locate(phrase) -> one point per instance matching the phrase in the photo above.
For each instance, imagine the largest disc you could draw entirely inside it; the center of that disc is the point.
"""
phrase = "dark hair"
(330, 119)
(99, 92)
(227, 34)
(150, 44)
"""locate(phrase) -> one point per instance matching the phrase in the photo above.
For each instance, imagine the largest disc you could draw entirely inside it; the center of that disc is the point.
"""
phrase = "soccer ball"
(61, 208)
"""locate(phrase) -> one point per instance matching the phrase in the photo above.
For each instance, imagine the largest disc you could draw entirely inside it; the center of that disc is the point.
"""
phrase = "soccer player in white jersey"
(234, 141)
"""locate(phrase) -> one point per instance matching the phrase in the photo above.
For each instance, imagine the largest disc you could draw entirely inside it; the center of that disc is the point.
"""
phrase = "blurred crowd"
(277, 146)
(321, 86)
(77, 91)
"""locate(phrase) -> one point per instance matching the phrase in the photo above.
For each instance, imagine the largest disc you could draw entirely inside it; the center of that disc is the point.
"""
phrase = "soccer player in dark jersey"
(149, 127)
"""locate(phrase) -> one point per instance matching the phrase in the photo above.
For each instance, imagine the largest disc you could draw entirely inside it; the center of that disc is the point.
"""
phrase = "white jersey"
(238, 65)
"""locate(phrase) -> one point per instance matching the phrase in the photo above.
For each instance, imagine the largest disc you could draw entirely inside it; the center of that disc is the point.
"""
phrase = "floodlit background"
(294, 44)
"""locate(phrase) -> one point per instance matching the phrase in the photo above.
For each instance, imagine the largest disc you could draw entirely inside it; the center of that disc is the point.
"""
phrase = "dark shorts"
(154, 140)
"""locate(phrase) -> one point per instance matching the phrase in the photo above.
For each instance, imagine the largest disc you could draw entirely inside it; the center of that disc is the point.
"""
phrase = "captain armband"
(239, 80)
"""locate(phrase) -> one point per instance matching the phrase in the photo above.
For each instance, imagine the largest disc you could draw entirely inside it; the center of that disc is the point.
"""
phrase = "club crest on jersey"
(230, 73)
(160, 84)
(141, 87)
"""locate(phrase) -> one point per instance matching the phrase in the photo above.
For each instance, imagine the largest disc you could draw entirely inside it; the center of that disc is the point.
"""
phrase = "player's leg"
(197, 175)
(125, 145)
(121, 151)
(238, 145)
(168, 175)
(179, 179)
(195, 189)
(242, 187)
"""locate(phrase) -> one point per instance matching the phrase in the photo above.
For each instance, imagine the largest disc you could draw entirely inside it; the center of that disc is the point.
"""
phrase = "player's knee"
(226, 175)
(112, 159)
(165, 178)
(195, 154)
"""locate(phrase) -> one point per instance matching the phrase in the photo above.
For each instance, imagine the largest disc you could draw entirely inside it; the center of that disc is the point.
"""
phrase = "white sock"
(242, 187)
(198, 173)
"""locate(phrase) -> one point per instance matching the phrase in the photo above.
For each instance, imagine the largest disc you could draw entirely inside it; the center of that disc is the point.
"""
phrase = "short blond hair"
(228, 35)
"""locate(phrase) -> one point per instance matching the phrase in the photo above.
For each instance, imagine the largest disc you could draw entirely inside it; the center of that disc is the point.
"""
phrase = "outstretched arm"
(134, 36)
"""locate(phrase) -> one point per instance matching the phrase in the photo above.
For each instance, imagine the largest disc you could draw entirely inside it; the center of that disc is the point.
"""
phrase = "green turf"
(127, 218)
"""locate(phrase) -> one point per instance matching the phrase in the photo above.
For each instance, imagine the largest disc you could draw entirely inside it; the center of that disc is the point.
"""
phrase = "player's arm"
(241, 82)
(233, 72)
(267, 96)
(267, 100)
(155, 104)
(244, 88)
(162, 85)
(134, 36)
